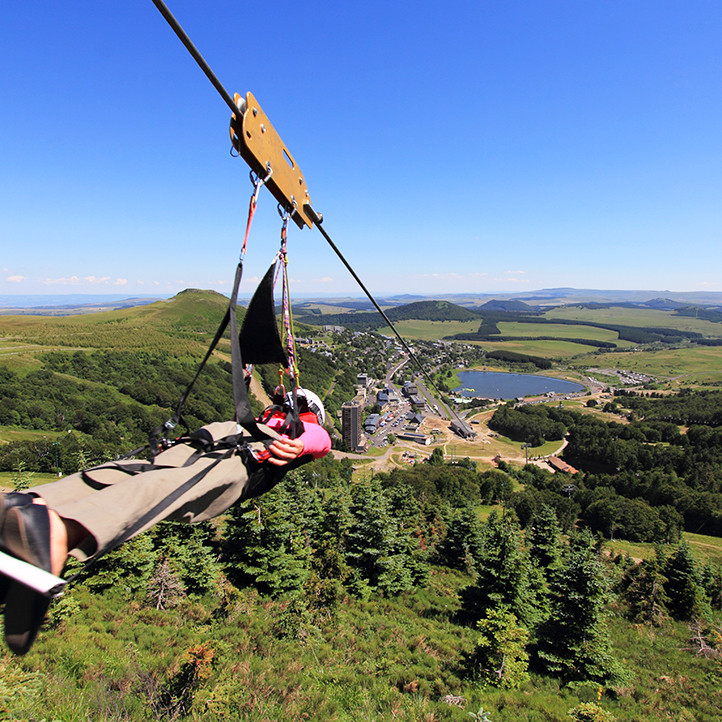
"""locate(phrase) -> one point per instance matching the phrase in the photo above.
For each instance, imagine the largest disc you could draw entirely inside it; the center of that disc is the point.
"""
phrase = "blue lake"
(494, 385)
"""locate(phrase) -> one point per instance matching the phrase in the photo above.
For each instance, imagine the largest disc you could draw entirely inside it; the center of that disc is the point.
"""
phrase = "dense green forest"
(643, 479)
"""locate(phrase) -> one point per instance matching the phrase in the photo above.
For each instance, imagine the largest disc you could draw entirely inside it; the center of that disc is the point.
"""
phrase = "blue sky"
(480, 146)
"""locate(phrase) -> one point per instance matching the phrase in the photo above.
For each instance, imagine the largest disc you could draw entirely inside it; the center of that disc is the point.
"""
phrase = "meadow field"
(641, 317)
(431, 330)
(685, 365)
(559, 330)
(704, 548)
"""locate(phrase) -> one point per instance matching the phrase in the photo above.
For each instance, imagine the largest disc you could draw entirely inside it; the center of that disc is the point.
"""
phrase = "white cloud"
(511, 280)
(78, 281)
(15, 279)
(121, 282)
(514, 273)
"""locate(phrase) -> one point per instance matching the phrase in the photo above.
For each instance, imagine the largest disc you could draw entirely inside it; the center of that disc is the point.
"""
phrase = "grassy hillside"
(182, 325)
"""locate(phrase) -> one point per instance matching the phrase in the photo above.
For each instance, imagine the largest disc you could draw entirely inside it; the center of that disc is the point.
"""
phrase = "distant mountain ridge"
(70, 304)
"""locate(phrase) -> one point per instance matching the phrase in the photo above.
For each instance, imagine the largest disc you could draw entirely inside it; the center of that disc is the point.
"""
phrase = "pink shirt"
(316, 440)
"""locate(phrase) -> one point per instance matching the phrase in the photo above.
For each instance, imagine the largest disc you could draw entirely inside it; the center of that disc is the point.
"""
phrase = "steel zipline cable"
(317, 218)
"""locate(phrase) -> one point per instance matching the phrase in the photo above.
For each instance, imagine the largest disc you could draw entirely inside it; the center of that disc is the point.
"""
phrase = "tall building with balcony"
(351, 423)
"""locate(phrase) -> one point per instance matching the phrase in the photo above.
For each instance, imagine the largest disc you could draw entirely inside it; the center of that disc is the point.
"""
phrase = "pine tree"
(544, 537)
(642, 588)
(464, 539)
(574, 642)
(127, 568)
(191, 551)
(268, 540)
(378, 548)
(499, 657)
(711, 581)
(503, 574)
(687, 599)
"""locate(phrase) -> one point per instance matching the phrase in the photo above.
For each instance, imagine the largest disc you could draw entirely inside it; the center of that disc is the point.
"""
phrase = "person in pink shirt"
(94, 511)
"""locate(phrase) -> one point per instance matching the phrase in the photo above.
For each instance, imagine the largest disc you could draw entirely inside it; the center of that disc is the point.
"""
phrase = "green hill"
(94, 385)
(181, 325)
(418, 311)
(507, 305)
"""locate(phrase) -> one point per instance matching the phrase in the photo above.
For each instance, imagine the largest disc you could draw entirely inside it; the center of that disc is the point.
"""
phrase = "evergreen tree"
(642, 588)
(378, 548)
(503, 574)
(544, 537)
(127, 568)
(190, 551)
(687, 599)
(464, 539)
(267, 540)
(711, 581)
(574, 642)
(499, 657)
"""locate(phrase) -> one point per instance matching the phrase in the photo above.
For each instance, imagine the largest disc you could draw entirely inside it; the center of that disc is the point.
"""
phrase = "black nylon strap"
(150, 514)
(244, 415)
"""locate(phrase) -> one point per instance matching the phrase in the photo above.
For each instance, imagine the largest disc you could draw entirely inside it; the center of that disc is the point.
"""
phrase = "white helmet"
(308, 399)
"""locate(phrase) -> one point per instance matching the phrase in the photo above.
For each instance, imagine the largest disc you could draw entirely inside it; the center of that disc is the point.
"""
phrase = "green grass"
(486, 510)
(387, 659)
(636, 550)
(704, 548)
(690, 365)
(7, 479)
(431, 330)
(546, 449)
(643, 318)
(12, 433)
(533, 330)
(545, 349)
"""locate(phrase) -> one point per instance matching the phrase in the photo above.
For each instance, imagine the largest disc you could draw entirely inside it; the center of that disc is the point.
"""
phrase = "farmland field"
(693, 365)
(534, 347)
(534, 330)
(431, 330)
(644, 318)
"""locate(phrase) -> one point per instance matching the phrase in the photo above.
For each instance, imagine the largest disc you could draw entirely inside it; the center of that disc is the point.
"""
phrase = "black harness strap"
(153, 512)
(244, 415)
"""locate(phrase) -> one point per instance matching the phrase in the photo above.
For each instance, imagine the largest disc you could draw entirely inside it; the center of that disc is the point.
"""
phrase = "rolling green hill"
(419, 310)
